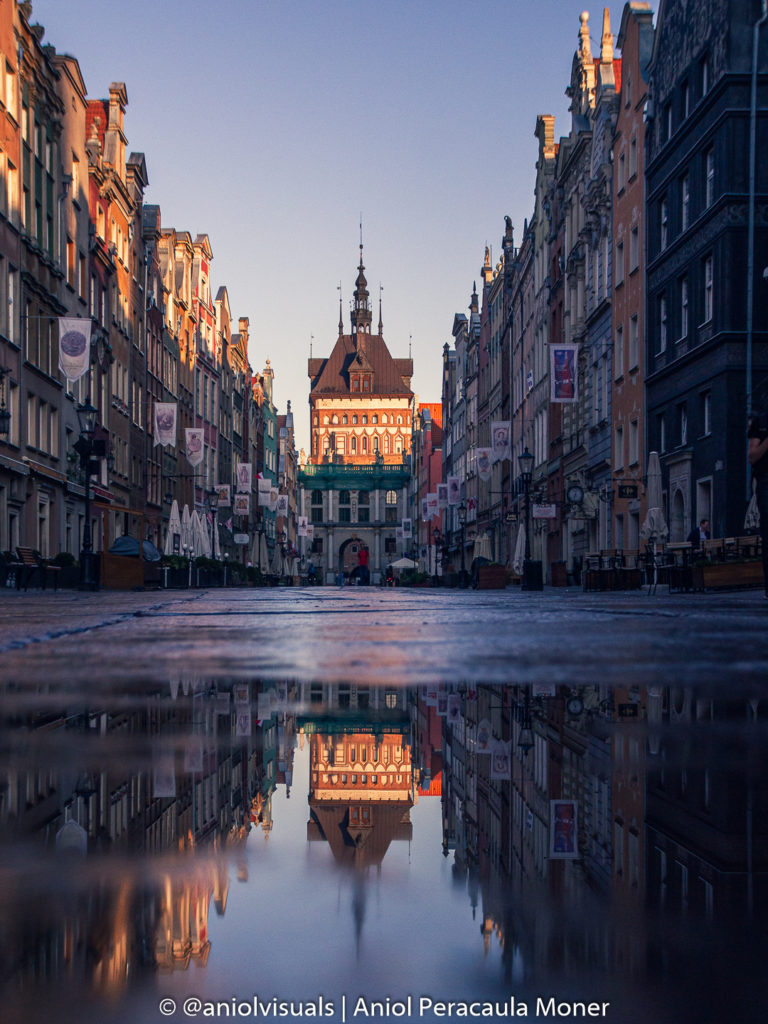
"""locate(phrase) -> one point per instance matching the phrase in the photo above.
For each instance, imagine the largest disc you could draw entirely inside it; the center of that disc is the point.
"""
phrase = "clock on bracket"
(575, 494)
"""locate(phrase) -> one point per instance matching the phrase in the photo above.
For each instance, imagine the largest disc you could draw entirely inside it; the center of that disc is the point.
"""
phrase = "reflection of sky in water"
(290, 930)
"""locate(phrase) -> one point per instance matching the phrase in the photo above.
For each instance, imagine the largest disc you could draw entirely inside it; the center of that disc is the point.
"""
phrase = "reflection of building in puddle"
(361, 792)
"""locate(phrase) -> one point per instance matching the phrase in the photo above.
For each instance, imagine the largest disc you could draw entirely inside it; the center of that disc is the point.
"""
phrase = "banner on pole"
(193, 439)
(74, 346)
(563, 375)
(165, 423)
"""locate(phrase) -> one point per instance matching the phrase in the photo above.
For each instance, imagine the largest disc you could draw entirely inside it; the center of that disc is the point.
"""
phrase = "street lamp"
(461, 511)
(437, 540)
(212, 499)
(86, 448)
(532, 579)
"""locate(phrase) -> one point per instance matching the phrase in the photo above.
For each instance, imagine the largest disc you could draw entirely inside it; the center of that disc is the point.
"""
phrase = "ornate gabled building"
(355, 481)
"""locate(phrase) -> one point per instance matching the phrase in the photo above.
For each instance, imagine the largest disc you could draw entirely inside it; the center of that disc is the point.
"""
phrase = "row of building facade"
(645, 251)
(78, 240)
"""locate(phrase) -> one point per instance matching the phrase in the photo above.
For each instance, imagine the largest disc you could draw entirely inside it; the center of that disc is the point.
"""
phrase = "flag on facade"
(484, 738)
(442, 496)
(407, 529)
(454, 490)
(228, 524)
(282, 504)
(264, 488)
(310, 531)
(74, 346)
(432, 509)
(302, 526)
(165, 423)
(562, 375)
(242, 506)
(529, 380)
(483, 462)
(193, 439)
(424, 510)
(244, 477)
(224, 491)
(501, 439)
(274, 494)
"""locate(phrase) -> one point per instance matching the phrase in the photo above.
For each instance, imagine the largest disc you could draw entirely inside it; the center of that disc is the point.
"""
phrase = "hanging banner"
(244, 477)
(501, 760)
(310, 531)
(424, 510)
(74, 346)
(165, 423)
(302, 526)
(407, 529)
(242, 505)
(282, 504)
(398, 533)
(562, 373)
(501, 440)
(193, 438)
(264, 487)
(484, 740)
(563, 830)
(483, 462)
(454, 490)
(442, 496)
(274, 494)
(224, 492)
(454, 708)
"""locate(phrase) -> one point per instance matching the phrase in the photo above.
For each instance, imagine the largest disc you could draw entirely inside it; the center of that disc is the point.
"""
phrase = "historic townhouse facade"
(697, 221)
(355, 484)
(628, 455)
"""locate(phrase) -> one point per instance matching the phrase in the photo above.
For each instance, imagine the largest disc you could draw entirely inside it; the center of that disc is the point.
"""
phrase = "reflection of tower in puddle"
(360, 797)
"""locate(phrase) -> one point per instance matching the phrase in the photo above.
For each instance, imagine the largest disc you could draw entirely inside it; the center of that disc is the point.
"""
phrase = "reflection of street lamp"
(531, 570)
(437, 540)
(86, 448)
(461, 511)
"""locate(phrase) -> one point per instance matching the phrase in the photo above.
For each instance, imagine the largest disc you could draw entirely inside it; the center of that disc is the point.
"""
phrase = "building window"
(364, 419)
(684, 307)
(621, 174)
(664, 225)
(618, 354)
(682, 419)
(667, 123)
(706, 413)
(618, 448)
(365, 445)
(662, 324)
(685, 96)
(374, 418)
(633, 157)
(634, 343)
(353, 445)
(390, 546)
(634, 248)
(634, 442)
(704, 75)
(685, 202)
(662, 432)
(708, 289)
(709, 171)
(344, 419)
(619, 263)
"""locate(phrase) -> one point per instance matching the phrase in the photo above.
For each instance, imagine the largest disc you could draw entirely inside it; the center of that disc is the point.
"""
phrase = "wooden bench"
(32, 562)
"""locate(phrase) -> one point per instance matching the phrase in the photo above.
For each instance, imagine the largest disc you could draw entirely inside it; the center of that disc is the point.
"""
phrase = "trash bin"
(558, 574)
(532, 575)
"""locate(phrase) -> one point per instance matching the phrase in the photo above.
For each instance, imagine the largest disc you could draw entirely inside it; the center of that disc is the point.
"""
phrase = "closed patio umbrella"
(482, 547)
(519, 558)
(263, 562)
(174, 529)
(187, 535)
(654, 528)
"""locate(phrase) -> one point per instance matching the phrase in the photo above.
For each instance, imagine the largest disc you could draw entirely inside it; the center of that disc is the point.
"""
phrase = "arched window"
(353, 445)
(387, 445)
(326, 419)
(335, 418)
(374, 418)
(391, 498)
(317, 497)
(399, 421)
(398, 445)
(344, 419)
(365, 418)
(365, 445)
(376, 443)
(385, 419)
(354, 418)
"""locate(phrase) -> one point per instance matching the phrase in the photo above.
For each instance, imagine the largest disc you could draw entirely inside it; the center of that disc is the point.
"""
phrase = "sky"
(273, 126)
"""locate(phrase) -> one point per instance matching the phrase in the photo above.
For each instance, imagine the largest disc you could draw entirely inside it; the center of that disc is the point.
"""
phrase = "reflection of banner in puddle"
(243, 723)
(241, 695)
(164, 777)
(484, 739)
(193, 756)
(563, 829)
(454, 708)
(501, 760)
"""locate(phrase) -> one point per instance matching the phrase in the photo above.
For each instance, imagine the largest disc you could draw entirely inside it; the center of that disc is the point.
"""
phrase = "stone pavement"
(378, 635)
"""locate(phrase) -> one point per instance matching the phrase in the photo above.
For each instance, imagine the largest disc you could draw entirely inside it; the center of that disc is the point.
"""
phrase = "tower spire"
(341, 316)
(381, 329)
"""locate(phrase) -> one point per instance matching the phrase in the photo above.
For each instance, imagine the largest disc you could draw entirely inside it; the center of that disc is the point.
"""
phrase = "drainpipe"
(751, 220)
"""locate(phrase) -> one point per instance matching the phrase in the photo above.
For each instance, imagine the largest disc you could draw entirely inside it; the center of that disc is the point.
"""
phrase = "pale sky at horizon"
(272, 126)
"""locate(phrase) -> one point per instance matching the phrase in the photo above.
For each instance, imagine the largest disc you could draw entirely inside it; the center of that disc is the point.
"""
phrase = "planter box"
(727, 574)
(491, 577)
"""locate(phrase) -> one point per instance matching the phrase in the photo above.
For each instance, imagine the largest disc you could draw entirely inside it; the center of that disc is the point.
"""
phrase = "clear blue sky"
(271, 126)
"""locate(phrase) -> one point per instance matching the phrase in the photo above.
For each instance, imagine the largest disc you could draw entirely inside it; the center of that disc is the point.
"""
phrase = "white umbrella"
(752, 518)
(187, 536)
(216, 545)
(174, 528)
(654, 526)
(482, 547)
(519, 559)
(404, 563)
(277, 561)
(263, 562)
(202, 542)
